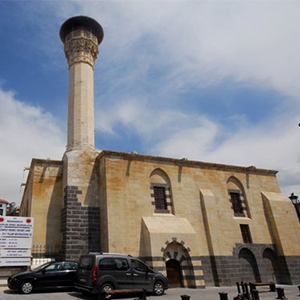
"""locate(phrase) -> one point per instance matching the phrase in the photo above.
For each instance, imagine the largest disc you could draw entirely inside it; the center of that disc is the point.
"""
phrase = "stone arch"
(179, 266)
(160, 176)
(271, 265)
(161, 191)
(248, 265)
(237, 197)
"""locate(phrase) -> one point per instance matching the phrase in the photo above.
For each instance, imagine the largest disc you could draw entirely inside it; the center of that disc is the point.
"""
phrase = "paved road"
(210, 293)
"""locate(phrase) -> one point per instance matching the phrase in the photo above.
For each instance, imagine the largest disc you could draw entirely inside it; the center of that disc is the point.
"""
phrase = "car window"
(139, 266)
(86, 263)
(54, 267)
(106, 263)
(41, 267)
(121, 264)
(69, 266)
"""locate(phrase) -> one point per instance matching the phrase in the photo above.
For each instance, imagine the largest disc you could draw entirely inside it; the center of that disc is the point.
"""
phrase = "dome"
(81, 22)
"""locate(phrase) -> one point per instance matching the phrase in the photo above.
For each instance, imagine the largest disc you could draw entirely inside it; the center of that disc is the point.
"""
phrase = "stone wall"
(43, 200)
(80, 226)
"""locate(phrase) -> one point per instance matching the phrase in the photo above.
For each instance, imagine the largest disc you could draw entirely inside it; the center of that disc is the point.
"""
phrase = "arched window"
(237, 197)
(160, 191)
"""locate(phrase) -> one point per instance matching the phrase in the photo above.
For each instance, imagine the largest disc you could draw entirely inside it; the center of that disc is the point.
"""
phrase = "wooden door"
(174, 273)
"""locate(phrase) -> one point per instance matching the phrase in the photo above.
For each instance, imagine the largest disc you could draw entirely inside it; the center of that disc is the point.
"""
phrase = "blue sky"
(214, 81)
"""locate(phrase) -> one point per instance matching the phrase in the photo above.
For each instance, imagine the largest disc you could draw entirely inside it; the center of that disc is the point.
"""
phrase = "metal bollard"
(245, 291)
(223, 296)
(255, 295)
(238, 287)
(243, 287)
(185, 297)
(252, 287)
(280, 293)
(299, 289)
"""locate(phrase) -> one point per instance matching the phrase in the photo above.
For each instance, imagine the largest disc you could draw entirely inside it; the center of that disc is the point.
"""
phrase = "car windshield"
(41, 266)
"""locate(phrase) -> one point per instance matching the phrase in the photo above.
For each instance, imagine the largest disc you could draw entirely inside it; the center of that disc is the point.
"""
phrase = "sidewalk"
(291, 292)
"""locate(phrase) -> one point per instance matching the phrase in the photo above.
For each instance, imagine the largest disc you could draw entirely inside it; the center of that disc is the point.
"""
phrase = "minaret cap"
(81, 22)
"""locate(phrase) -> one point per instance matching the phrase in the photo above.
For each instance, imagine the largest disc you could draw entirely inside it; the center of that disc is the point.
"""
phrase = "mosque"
(202, 224)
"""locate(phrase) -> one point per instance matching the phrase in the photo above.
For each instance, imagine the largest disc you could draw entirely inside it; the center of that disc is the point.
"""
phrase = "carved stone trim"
(81, 46)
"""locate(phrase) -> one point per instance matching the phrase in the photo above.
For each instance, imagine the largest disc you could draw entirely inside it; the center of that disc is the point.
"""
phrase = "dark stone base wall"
(251, 263)
(293, 263)
(230, 271)
(80, 226)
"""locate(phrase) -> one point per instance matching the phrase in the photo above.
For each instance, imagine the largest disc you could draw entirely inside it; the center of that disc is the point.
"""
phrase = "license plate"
(82, 279)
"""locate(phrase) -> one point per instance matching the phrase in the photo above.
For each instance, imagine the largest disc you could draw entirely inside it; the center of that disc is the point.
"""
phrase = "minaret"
(80, 220)
(81, 36)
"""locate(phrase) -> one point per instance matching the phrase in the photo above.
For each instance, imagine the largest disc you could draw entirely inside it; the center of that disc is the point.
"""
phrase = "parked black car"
(50, 274)
(104, 271)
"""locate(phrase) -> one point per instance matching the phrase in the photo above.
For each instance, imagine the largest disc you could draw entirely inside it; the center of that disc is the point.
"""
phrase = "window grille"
(160, 197)
(236, 202)
(245, 230)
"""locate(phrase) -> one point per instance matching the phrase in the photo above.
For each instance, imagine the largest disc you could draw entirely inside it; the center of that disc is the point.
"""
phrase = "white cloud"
(203, 43)
(26, 132)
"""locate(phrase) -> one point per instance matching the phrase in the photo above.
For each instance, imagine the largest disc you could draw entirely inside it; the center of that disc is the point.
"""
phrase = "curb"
(3, 281)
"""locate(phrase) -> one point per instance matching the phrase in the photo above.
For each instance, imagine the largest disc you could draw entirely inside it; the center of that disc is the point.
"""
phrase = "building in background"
(3, 206)
(202, 224)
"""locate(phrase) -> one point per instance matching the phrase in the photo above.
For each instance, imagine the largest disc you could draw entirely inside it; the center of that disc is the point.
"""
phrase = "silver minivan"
(97, 272)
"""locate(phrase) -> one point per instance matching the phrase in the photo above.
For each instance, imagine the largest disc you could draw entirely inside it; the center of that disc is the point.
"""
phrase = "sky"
(212, 81)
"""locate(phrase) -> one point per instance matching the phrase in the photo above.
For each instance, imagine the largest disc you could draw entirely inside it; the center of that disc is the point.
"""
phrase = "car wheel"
(26, 287)
(106, 287)
(158, 288)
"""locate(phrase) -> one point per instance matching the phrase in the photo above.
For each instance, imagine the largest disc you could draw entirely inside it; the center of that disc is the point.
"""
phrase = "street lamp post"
(296, 203)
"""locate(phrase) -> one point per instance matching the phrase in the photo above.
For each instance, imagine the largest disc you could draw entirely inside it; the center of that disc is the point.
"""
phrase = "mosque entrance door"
(174, 273)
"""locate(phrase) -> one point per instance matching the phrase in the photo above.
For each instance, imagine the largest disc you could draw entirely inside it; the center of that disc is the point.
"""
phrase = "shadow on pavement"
(79, 295)
(40, 291)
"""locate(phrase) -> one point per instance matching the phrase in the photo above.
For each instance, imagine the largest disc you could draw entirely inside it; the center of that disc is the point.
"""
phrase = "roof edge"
(185, 162)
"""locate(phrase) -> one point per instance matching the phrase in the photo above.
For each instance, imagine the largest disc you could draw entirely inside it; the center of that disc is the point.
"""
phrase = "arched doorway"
(179, 267)
(248, 264)
(174, 273)
(274, 268)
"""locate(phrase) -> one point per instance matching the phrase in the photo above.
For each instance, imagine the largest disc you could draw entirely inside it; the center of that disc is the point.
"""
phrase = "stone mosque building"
(201, 224)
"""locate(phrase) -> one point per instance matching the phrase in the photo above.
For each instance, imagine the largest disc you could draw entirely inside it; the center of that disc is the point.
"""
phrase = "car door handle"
(135, 274)
(128, 274)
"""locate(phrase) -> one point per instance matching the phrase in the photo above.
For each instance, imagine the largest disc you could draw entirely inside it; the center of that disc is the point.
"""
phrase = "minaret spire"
(81, 36)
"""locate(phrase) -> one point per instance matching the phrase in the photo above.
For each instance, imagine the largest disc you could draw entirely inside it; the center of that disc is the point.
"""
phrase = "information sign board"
(15, 241)
(15, 252)
(19, 231)
(14, 261)
(7, 242)
(16, 222)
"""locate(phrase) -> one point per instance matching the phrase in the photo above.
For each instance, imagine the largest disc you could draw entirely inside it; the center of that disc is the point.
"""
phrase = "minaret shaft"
(81, 107)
